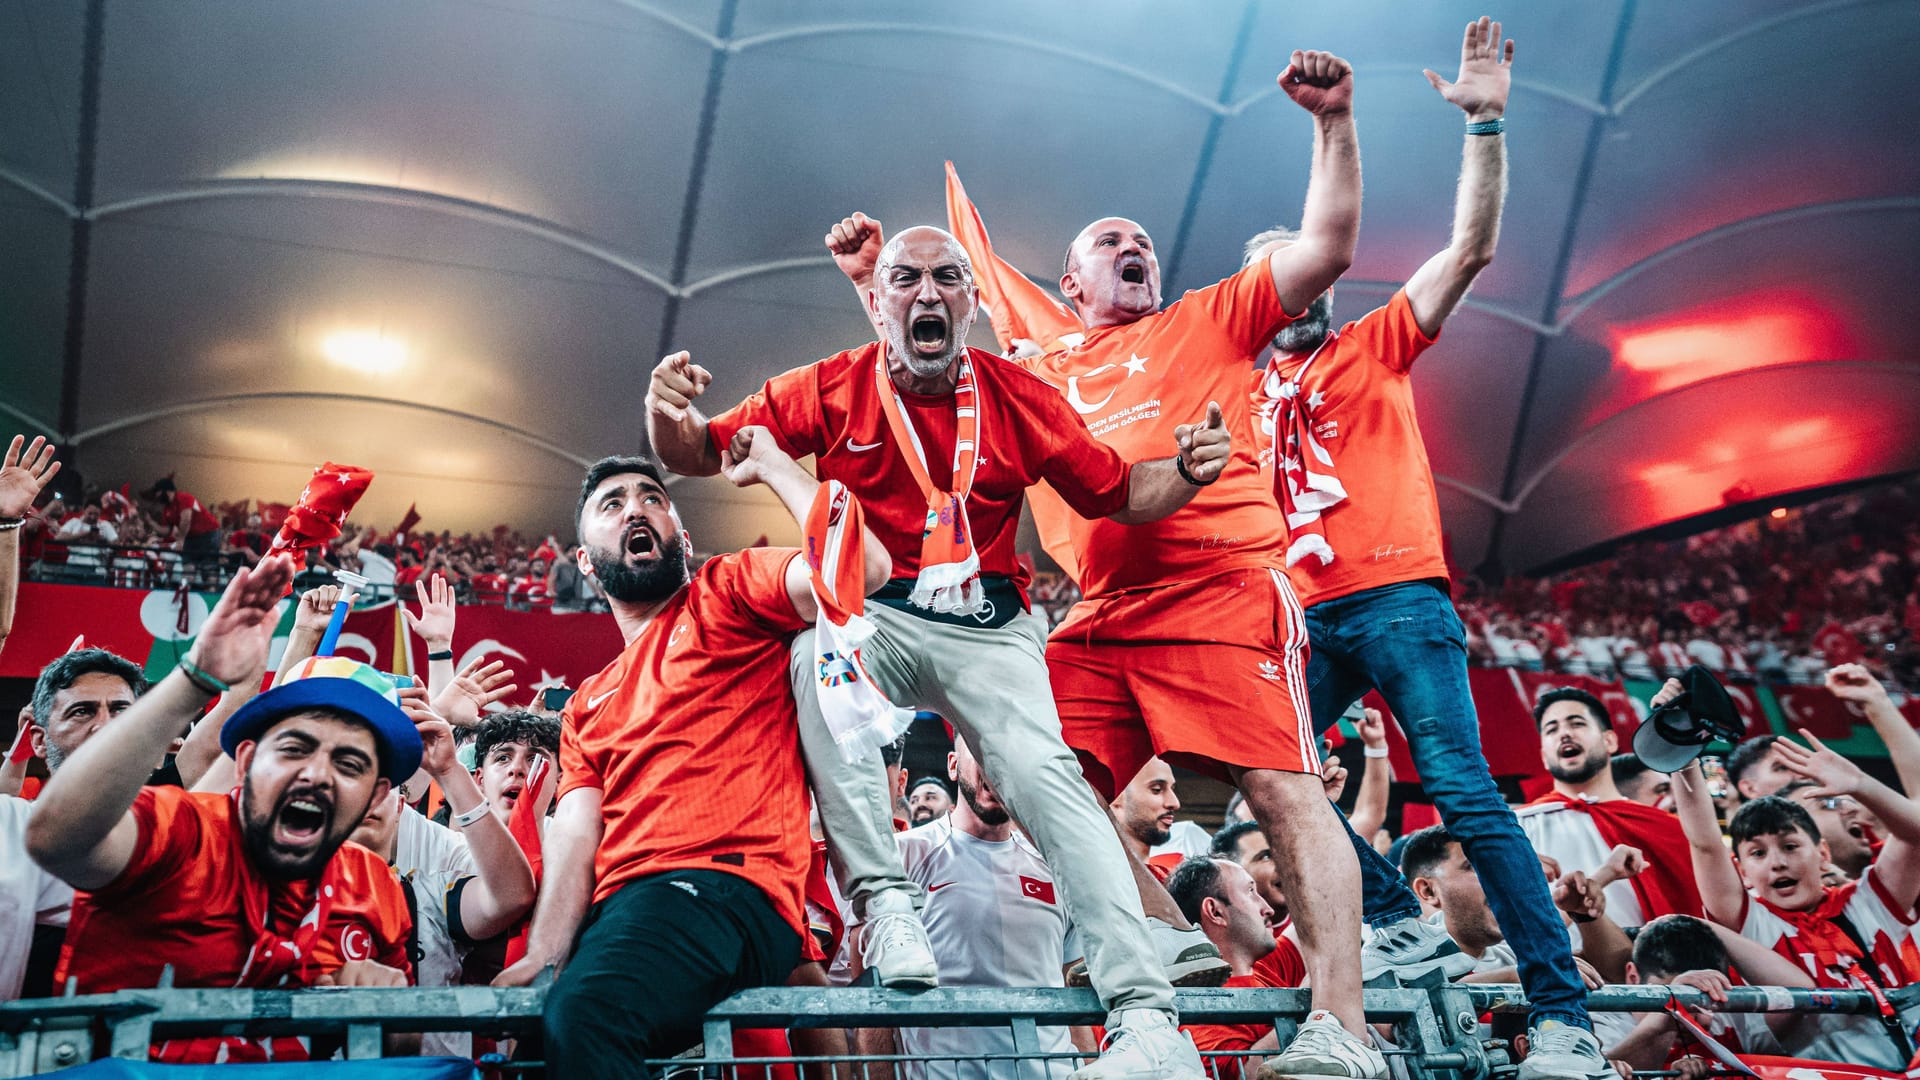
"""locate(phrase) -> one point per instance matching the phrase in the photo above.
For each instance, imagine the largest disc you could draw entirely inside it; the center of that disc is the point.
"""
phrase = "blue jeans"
(1406, 641)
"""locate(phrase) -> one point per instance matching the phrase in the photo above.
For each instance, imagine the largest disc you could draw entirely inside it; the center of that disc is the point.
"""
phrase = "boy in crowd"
(1773, 890)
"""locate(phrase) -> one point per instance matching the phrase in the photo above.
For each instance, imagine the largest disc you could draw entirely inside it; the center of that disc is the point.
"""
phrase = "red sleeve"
(171, 838)
(788, 405)
(1390, 334)
(1088, 474)
(754, 582)
(1246, 306)
(576, 769)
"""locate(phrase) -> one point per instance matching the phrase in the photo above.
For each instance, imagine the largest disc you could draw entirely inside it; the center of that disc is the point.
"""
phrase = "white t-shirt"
(1858, 1040)
(993, 918)
(430, 859)
(1568, 837)
(376, 568)
(29, 896)
(1188, 839)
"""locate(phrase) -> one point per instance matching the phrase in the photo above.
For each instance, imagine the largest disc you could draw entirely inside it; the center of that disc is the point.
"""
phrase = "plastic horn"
(350, 586)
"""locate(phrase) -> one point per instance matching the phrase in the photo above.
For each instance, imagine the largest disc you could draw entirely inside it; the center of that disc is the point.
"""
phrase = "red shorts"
(1205, 674)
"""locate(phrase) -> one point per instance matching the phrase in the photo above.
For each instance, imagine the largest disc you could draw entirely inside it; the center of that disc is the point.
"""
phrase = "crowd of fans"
(163, 537)
(1820, 891)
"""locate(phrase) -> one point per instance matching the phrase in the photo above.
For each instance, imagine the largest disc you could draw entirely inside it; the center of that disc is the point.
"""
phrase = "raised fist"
(856, 244)
(1319, 82)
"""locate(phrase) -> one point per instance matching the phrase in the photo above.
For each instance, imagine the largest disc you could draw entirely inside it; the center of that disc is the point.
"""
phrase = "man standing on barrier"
(941, 442)
(680, 892)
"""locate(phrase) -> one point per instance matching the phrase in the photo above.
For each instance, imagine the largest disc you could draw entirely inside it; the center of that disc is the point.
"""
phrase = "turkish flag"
(407, 522)
(1838, 645)
(323, 507)
(1020, 309)
(1039, 890)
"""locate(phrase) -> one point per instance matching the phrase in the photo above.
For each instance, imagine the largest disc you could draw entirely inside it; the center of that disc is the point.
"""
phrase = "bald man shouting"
(940, 442)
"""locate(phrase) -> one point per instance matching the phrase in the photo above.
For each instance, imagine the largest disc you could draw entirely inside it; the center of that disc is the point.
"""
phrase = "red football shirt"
(831, 409)
(181, 901)
(186, 510)
(1388, 529)
(1131, 385)
(692, 738)
(1231, 1036)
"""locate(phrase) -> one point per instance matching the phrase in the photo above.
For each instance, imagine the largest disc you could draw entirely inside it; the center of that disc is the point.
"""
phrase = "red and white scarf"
(949, 578)
(858, 714)
(1303, 474)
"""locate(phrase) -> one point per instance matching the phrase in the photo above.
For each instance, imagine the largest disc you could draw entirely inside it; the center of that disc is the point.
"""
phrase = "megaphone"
(1680, 730)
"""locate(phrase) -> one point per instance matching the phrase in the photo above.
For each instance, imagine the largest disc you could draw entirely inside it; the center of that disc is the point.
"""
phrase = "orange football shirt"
(692, 738)
(1388, 529)
(1131, 386)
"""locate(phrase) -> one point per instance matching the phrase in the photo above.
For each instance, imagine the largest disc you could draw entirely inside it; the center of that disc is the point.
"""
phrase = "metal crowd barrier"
(1437, 1033)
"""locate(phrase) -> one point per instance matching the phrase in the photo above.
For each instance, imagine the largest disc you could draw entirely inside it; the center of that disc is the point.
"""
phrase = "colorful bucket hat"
(335, 682)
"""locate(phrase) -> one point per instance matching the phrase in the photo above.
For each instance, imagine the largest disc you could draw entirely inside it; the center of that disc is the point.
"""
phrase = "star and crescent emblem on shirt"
(1135, 365)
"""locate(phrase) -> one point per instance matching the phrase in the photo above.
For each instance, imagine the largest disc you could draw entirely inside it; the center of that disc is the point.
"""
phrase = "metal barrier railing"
(1436, 1028)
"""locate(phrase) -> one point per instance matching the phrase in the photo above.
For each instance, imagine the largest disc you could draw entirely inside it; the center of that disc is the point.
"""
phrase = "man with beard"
(1193, 618)
(1365, 553)
(941, 443)
(994, 919)
(72, 698)
(257, 888)
(1585, 818)
(1144, 811)
(679, 891)
(927, 799)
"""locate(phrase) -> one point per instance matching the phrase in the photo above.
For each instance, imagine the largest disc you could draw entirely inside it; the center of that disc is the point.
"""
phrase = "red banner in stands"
(542, 648)
(1817, 710)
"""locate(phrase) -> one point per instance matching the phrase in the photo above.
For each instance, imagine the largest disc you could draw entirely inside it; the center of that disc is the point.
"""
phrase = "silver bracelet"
(461, 821)
(10, 524)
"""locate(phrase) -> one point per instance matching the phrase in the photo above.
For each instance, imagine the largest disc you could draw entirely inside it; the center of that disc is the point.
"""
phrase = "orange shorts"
(1205, 674)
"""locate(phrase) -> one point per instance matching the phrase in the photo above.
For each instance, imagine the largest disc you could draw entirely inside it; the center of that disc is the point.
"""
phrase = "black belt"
(1002, 606)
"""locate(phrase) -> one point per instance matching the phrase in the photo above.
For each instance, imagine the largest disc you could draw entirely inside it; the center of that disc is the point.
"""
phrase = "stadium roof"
(446, 239)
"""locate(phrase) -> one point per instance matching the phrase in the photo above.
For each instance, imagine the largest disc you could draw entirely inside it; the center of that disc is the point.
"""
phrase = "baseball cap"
(335, 682)
(1680, 730)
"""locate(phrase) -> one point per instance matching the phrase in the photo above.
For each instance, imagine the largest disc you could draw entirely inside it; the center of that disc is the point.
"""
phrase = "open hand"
(1835, 774)
(1319, 82)
(233, 641)
(677, 380)
(472, 690)
(856, 242)
(1486, 72)
(24, 476)
(1205, 447)
(435, 622)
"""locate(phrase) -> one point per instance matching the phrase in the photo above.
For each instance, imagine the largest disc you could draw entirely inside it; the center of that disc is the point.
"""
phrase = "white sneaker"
(1324, 1047)
(1188, 958)
(1410, 948)
(1144, 1044)
(894, 945)
(1557, 1051)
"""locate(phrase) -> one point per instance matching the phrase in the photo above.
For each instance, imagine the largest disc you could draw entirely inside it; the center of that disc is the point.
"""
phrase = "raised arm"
(755, 457)
(855, 243)
(1158, 488)
(22, 478)
(676, 430)
(1480, 91)
(1376, 778)
(1322, 84)
(1721, 891)
(566, 885)
(502, 887)
(435, 624)
(310, 618)
(83, 830)
(1854, 684)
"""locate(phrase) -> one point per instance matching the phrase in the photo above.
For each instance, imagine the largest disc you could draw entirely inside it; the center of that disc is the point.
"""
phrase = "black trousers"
(652, 959)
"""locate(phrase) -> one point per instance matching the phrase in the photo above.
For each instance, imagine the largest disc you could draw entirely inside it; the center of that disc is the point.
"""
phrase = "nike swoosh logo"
(861, 448)
(594, 702)
(942, 885)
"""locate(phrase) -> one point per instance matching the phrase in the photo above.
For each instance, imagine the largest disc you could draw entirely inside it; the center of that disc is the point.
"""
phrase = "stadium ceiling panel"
(448, 238)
